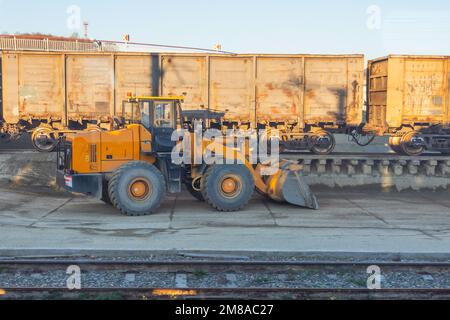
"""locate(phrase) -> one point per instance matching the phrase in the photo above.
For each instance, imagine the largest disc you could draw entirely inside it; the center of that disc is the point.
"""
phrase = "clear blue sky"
(244, 26)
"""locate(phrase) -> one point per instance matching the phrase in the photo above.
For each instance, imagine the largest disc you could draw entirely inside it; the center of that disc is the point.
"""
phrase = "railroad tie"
(430, 167)
(444, 168)
(307, 165)
(351, 167)
(383, 167)
(321, 166)
(336, 166)
(181, 281)
(367, 167)
(397, 167)
(413, 167)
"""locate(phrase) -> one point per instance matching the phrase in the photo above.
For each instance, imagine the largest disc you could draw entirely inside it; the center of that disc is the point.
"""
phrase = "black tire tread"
(211, 202)
(115, 179)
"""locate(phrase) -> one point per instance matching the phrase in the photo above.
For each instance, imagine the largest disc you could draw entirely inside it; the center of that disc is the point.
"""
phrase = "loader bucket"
(288, 185)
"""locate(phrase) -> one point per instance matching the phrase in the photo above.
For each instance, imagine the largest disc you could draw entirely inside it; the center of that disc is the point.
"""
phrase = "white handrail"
(52, 45)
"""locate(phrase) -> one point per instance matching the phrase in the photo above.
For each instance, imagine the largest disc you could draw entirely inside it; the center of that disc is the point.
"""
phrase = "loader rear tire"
(227, 188)
(137, 189)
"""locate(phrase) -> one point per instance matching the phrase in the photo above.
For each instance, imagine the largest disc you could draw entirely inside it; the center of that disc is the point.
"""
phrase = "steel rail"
(218, 263)
(229, 293)
(360, 156)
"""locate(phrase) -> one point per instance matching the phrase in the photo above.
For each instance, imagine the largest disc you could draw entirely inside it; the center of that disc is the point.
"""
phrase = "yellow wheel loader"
(132, 168)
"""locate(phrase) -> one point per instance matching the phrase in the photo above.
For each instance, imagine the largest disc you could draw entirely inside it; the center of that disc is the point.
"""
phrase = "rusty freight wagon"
(409, 100)
(306, 97)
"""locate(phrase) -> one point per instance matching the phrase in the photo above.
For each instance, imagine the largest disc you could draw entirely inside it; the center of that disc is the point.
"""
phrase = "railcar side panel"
(133, 74)
(408, 91)
(325, 90)
(279, 90)
(10, 86)
(186, 75)
(232, 87)
(424, 91)
(355, 88)
(377, 93)
(250, 89)
(90, 86)
(33, 87)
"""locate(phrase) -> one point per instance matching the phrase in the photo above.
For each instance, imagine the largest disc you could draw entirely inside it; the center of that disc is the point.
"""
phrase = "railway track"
(361, 156)
(226, 294)
(213, 268)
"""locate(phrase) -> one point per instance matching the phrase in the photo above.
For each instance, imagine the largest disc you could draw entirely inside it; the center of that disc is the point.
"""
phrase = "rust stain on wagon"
(288, 93)
(269, 86)
(311, 94)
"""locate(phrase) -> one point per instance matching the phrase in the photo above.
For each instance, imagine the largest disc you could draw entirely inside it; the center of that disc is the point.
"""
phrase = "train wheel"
(324, 143)
(43, 140)
(394, 143)
(408, 147)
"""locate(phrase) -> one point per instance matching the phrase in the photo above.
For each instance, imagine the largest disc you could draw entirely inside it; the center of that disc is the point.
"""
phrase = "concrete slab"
(348, 221)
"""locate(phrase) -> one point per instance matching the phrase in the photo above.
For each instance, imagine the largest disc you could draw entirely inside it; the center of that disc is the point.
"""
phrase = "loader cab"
(159, 115)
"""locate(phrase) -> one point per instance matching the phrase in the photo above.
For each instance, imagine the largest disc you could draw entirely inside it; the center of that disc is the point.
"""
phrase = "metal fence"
(54, 45)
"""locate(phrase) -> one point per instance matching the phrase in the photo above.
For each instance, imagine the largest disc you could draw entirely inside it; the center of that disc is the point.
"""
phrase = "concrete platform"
(348, 221)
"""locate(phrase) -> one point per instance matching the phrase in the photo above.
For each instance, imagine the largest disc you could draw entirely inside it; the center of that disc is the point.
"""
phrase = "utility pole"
(86, 26)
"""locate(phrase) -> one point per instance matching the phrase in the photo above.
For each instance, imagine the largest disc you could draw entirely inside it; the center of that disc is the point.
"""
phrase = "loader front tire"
(137, 189)
(227, 188)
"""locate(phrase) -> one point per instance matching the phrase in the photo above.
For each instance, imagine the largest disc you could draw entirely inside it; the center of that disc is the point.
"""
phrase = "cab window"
(163, 117)
(145, 114)
(131, 112)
